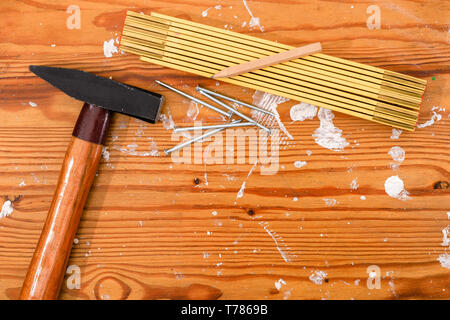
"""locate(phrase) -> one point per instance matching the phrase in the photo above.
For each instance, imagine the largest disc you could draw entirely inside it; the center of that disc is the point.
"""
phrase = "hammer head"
(102, 92)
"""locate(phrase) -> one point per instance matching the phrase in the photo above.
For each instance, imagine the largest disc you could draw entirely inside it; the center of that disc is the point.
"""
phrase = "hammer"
(101, 98)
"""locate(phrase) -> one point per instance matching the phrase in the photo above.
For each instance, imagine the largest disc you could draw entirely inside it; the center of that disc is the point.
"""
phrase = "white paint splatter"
(299, 164)
(279, 283)
(354, 184)
(132, 146)
(240, 193)
(192, 111)
(278, 242)
(31, 103)
(446, 236)
(398, 155)
(270, 103)
(105, 153)
(330, 202)
(363, 197)
(7, 209)
(435, 117)
(206, 177)
(327, 135)
(254, 21)
(395, 188)
(444, 259)
(109, 48)
(167, 121)
(131, 150)
(205, 13)
(392, 288)
(303, 111)
(396, 133)
(287, 294)
(318, 276)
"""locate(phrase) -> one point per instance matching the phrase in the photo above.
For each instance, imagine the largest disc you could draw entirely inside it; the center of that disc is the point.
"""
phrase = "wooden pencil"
(269, 60)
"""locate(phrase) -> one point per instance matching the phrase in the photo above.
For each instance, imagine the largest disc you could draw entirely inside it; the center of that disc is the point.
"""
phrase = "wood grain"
(150, 231)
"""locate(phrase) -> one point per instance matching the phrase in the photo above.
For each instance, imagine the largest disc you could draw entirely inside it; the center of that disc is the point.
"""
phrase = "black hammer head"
(102, 92)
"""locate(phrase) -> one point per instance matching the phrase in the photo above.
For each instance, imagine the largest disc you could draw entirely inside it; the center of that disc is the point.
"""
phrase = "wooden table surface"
(155, 229)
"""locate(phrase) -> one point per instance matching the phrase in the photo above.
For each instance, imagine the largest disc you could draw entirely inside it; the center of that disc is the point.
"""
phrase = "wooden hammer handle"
(49, 262)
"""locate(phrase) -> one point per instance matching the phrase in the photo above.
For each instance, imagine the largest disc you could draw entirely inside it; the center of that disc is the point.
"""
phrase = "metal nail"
(228, 125)
(206, 104)
(207, 134)
(213, 93)
(243, 116)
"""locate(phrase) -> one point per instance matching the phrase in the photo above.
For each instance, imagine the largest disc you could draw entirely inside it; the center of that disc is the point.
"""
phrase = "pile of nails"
(214, 97)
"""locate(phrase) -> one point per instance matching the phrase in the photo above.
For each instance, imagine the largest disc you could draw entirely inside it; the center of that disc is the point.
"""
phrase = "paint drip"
(330, 202)
(109, 48)
(446, 236)
(131, 149)
(282, 248)
(299, 164)
(279, 284)
(303, 111)
(105, 153)
(435, 117)
(270, 103)
(398, 155)
(318, 276)
(327, 135)
(444, 259)
(167, 121)
(7, 209)
(192, 111)
(396, 133)
(254, 21)
(395, 188)
(354, 184)
(240, 193)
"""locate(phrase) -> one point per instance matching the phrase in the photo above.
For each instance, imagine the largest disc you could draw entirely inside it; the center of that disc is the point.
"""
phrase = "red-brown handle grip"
(48, 265)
